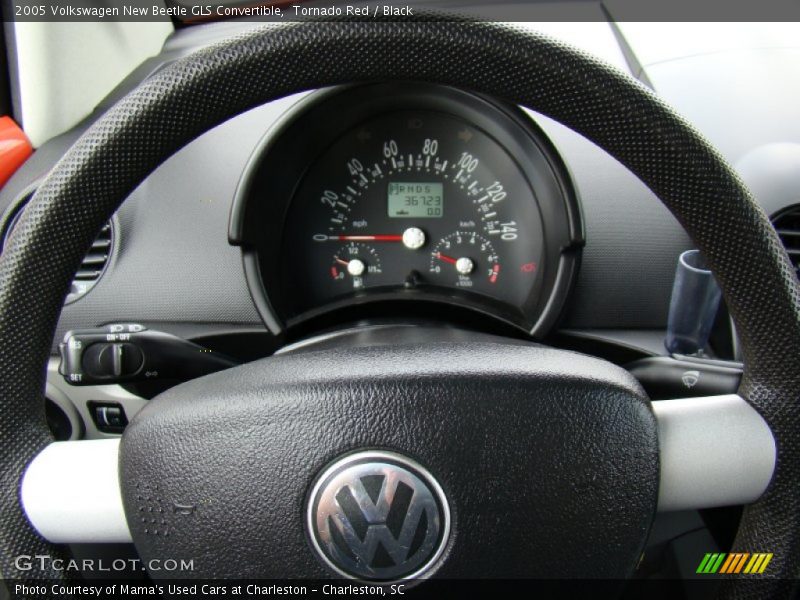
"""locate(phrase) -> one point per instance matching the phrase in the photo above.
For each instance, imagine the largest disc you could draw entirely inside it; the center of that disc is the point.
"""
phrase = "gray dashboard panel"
(632, 241)
(739, 99)
(174, 263)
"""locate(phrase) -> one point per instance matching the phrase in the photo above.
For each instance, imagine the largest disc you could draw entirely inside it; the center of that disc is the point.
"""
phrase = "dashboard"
(370, 204)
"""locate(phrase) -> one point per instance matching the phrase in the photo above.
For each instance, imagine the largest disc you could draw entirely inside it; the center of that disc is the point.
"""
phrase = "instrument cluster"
(392, 193)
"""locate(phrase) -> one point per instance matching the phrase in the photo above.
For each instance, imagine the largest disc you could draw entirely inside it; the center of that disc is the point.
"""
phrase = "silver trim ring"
(378, 516)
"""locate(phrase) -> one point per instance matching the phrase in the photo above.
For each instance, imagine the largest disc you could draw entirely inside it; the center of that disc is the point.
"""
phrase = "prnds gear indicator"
(416, 200)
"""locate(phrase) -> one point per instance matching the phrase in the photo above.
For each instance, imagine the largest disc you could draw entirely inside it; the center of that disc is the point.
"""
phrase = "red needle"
(370, 238)
(341, 262)
(447, 259)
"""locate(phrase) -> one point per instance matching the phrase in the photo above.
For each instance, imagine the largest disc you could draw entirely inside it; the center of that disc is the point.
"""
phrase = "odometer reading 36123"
(414, 200)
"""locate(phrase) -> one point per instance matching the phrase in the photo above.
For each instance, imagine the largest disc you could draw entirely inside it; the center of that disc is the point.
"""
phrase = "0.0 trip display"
(412, 200)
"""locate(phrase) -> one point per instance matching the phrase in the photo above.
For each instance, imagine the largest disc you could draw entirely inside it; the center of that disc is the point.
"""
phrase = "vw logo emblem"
(378, 516)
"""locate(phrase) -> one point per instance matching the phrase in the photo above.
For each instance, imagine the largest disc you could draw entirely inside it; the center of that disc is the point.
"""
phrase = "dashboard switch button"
(108, 417)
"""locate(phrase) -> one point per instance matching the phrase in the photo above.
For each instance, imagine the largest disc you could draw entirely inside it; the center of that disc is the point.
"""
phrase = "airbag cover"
(548, 459)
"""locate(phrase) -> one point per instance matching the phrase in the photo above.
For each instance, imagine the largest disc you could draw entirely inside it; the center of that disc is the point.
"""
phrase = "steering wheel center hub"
(457, 458)
(378, 515)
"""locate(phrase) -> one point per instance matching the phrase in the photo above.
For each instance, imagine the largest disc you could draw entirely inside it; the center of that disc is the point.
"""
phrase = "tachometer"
(414, 192)
(467, 260)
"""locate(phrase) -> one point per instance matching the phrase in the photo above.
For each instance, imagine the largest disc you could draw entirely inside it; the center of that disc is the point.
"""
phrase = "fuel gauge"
(353, 263)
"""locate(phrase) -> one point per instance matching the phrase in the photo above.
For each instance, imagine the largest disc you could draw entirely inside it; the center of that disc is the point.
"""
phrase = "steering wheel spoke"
(714, 451)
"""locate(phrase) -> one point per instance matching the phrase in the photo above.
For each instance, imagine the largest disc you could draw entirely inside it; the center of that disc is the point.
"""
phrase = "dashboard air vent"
(93, 265)
(787, 223)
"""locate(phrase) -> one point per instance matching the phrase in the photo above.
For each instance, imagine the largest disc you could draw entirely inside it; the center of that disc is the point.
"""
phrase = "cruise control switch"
(125, 352)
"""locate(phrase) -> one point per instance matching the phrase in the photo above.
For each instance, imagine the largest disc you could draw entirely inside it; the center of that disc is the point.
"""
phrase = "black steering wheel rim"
(184, 100)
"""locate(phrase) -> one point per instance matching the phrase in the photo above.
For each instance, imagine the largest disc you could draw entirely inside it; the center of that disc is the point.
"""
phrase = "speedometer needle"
(413, 238)
(367, 238)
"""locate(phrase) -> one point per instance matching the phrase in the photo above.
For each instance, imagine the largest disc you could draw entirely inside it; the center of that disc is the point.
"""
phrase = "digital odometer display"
(368, 216)
(416, 200)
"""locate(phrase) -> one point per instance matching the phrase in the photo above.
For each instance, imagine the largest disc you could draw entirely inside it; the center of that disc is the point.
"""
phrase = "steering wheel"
(519, 459)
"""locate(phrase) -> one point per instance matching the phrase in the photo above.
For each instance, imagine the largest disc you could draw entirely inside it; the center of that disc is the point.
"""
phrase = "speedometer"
(410, 193)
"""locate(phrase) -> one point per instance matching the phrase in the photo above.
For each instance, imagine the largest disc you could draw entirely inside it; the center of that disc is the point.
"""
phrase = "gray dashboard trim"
(715, 451)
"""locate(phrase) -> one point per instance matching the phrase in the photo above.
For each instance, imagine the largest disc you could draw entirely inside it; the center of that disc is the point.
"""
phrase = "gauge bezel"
(283, 156)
